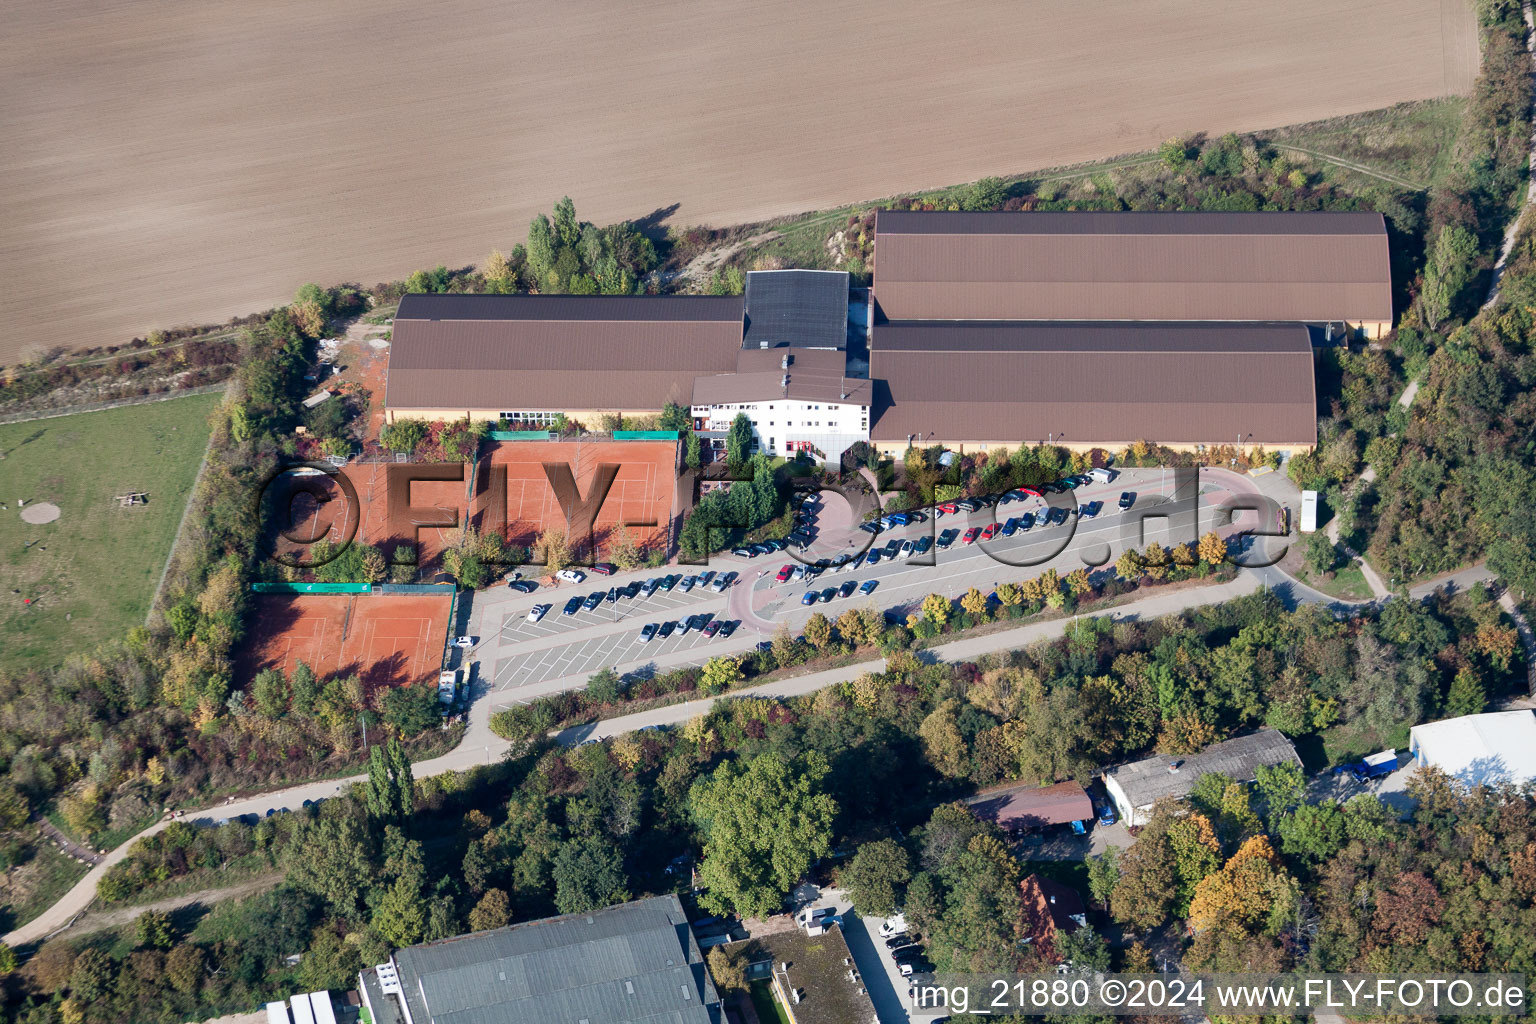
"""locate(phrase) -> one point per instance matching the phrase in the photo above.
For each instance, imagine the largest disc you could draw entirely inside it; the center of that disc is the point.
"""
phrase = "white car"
(463, 641)
(570, 576)
(537, 612)
(893, 926)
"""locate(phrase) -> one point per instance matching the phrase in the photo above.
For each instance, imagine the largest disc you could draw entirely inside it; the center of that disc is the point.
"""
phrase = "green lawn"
(91, 574)
(767, 1007)
(1348, 583)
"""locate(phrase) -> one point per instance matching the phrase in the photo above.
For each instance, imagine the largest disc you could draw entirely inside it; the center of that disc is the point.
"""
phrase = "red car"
(971, 535)
(784, 574)
(988, 533)
(949, 508)
(1028, 492)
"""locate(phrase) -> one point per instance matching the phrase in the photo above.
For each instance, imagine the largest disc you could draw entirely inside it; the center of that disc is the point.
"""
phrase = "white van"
(1103, 475)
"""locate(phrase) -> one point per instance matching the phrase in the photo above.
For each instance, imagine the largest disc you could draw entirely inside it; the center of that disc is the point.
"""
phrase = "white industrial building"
(1494, 749)
(797, 399)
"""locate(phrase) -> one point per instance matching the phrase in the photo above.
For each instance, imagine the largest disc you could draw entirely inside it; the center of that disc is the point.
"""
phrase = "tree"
(764, 824)
(721, 674)
(695, 454)
(1466, 695)
(329, 858)
(728, 969)
(269, 692)
(154, 930)
(624, 551)
(1155, 561)
(986, 194)
(390, 794)
(974, 602)
(738, 441)
(493, 911)
(675, 417)
(604, 687)
(936, 609)
(1104, 875)
(1010, 594)
(589, 875)
(876, 877)
(403, 435)
(1077, 582)
(1174, 153)
(1447, 273)
(1250, 893)
(553, 549)
(412, 709)
(943, 742)
(818, 631)
(1321, 554)
(1213, 550)
(1129, 565)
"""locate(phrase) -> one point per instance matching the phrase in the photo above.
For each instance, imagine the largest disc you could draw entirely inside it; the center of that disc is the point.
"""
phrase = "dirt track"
(167, 163)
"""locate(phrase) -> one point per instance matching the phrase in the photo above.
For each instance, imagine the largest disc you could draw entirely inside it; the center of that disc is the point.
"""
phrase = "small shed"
(1137, 786)
(1031, 807)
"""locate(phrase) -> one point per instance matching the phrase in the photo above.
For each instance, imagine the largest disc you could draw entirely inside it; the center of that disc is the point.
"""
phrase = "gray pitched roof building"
(796, 308)
(635, 963)
(1137, 786)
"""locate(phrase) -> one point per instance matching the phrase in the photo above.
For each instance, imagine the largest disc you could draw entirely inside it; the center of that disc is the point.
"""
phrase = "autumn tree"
(936, 609)
(943, 742)
(876, 877)
(1251, 893)
(974, 602)
(553, 549)
(721, 674)
(818, 631)
(1212, 550)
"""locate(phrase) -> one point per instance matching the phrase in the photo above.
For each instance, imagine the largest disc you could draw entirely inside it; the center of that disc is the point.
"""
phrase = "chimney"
(784, 362)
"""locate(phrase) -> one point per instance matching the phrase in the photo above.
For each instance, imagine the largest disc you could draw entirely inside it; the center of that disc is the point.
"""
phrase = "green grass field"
(91, 573)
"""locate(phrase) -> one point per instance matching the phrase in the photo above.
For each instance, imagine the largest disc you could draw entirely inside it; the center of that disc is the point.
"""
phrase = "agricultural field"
(90, 573)
(225, 179)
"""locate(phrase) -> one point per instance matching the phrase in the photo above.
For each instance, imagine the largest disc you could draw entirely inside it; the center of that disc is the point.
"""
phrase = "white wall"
(778, 424)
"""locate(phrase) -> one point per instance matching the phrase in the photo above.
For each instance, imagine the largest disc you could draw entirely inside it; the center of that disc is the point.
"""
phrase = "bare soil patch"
(398, 135)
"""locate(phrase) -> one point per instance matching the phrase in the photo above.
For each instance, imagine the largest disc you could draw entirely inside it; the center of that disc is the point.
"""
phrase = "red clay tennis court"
(387, 639)
(641, 492)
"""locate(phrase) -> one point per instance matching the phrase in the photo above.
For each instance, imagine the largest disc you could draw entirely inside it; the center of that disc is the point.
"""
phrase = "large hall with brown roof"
(1086, 330)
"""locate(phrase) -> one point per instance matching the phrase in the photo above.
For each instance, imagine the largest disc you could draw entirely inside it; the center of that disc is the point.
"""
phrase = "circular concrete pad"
(42, 512)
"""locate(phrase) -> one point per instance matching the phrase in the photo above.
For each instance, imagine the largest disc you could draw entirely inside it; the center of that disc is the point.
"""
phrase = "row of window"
(543, 419)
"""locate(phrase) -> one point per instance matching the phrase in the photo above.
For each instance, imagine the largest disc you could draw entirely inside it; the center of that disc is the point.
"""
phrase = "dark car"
(897, 941)
(847, 589)
(828, 594)
(774, 545)
(948, 537)
(712, 627)
(523, 586)
(603, 568)
(613, 595)
(1056, 515)
(892, 549)
(924, 544)
(809, 597)
(1127, 499)
(633, 590)
(1092, 509)
(667, 628)
(1011, 527)
(1027, 521)
(872, 556)
(727, 628)
(671, 581)
(593, 600)
(572, 606)
(908, 952)
(801, 538)
(870, 527)
(759, 549)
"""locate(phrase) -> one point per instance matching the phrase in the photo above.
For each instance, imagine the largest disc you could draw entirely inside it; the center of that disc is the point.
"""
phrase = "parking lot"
(586, 641)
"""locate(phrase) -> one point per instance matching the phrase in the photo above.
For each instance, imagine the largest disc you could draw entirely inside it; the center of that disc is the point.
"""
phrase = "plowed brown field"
(166, 162)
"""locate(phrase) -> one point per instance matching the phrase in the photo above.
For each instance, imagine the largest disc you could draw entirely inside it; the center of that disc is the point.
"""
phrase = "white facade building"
(797, 399)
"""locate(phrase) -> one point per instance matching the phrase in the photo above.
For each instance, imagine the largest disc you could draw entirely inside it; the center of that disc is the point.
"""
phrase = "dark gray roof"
(636, 963)
(1148, 781)
(799, 308)
(650, 308)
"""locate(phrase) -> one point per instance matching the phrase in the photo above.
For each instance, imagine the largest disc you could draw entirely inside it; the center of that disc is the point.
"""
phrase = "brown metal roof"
(558, 352)
(1094, 383)
(1132, 266)
(1033, 806)
(815, 375)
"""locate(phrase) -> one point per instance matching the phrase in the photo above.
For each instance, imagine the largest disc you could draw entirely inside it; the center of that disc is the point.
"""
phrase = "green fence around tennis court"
(311, 588)
(646, 435)
(523, 435)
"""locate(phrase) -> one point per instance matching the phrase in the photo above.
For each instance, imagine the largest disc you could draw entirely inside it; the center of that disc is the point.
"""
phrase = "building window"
(531, 419)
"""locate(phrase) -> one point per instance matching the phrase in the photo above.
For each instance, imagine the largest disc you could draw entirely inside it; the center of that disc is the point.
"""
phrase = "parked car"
(1056, 515)
(705, 577)
(648, 631)
(1127, 499)
(668, 582)
(463, 641)
(727, 628)
(868, 586)
(537, 612)
(894, 925)
(968, 505)
(604, 568)
(828, 594)
(667, 628)
(572, 606)
(784, 573)
(949, 508)
(741, 552)
(688, 583)
(872, 556)
(649, 586)
(613, 595)
(971, 535)
(711, 627)
(1011, 527)
(593, 600)
(1027, 521)
(721, 582)
(759, 549)
(948, 537)
(809, 597)
(923, 546)
(570, 576)
(1092, 509)
(1107, 815)
(523, 586)
(870, 527)
(907, 548)
(632, 590)
(897, 941)
(990, 531)
(774, 545)
(847, 589)
(892, 549)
